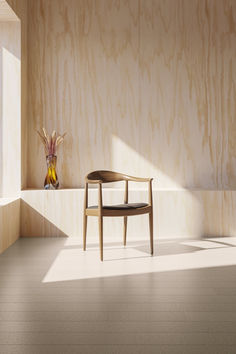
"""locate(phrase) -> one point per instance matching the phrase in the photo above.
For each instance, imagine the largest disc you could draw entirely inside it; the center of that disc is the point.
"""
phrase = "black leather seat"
(121, 206)
(119, 210)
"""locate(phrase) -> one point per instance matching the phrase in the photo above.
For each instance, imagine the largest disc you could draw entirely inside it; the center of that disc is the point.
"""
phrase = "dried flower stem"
(51, 142)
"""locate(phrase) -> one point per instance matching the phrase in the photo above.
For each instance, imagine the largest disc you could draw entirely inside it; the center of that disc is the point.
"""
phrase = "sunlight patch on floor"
(72, 263)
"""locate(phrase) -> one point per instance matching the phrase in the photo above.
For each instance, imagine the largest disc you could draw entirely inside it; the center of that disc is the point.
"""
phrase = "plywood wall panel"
(177, 214)
(144, 87)
(9, 230)
(174, 99)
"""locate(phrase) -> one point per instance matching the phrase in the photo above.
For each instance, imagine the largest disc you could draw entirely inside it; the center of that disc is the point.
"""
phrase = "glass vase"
(51, 181)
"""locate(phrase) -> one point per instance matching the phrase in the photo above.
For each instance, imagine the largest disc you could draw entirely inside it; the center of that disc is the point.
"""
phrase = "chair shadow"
(171, 248)
(160, 249)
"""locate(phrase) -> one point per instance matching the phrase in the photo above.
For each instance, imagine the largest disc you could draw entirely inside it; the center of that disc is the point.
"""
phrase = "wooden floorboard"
(56, 299)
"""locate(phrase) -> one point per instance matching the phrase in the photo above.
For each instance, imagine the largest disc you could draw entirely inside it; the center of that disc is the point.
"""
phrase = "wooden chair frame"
(100, 177)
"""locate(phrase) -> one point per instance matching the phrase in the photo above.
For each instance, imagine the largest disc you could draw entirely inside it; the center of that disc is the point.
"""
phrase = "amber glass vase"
(51, 181)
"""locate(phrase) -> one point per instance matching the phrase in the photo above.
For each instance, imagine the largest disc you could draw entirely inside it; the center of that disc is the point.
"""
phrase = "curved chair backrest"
(101, 176)
(106, 176)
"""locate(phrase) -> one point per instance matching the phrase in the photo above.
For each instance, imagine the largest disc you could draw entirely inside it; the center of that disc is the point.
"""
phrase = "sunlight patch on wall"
(10, 107)
(177, 214)
(127, 160)
(11, 124)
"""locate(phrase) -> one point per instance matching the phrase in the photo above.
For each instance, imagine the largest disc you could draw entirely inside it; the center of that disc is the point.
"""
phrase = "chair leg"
(151, 231)
(85, 231)
(125, 229)
(101, 236)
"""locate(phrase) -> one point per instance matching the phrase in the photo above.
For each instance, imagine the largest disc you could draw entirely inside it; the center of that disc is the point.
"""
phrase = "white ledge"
(130, 189)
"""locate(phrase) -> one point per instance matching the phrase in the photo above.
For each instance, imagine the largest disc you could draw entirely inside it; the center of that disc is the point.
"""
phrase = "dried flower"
(51, 142)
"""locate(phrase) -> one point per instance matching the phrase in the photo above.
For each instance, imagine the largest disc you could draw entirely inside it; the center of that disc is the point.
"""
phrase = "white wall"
(10, 108)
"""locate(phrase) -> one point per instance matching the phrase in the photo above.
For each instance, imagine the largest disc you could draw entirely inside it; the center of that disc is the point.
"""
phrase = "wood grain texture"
(54, 299)
(176, 214)
(139, 85)
(9, 229)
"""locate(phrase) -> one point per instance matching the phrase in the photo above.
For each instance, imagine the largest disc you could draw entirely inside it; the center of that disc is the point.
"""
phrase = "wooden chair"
(124, 210)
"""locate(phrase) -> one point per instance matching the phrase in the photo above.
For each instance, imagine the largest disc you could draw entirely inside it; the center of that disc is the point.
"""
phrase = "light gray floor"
(56, 299)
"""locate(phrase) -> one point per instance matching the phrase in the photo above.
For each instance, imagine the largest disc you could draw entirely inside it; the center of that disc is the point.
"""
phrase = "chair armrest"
(93, 181)
(139, 179)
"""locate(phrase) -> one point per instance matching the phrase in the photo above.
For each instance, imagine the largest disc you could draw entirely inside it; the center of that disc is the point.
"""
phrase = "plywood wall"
(140, 86)
(177, 214)
(9, 222)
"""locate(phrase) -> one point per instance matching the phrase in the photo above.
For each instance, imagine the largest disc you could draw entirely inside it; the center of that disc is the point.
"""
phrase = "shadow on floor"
(176, 311)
